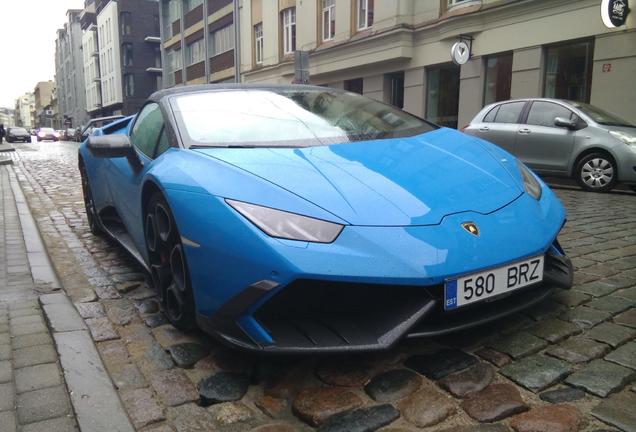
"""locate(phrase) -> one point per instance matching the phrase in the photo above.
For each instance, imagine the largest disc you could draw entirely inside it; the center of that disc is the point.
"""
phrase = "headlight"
(625, 137)
(285, 225)
(530, 183)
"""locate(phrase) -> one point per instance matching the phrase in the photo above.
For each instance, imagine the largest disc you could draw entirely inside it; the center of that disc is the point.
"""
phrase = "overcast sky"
(27, 38)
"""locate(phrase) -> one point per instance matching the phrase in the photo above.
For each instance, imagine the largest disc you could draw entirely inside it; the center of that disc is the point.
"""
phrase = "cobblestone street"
(568, 364)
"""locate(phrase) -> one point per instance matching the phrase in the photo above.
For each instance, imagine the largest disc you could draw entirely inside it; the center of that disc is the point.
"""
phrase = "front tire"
(89, 204)
(167, 261)
(597, 172)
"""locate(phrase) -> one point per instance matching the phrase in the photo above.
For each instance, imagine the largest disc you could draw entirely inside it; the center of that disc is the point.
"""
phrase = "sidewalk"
(40, 362)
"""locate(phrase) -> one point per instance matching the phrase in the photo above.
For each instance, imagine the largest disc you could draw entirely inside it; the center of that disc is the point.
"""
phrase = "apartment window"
(127, 51)
(177, 62)
(452, 3)
(258, 43)
(365, 14)
(157, 62)
(222, 40)
(195, 52)
(396, 89)
(442, 95)
(191, 4)
(498, 78)
(328, 19)
(125, 22)
(129, 85)
(354, 85)
(171, 13)
(289, 30)
(568, 73)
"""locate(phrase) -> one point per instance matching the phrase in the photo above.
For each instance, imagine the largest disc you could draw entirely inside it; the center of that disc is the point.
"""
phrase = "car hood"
(393, 182)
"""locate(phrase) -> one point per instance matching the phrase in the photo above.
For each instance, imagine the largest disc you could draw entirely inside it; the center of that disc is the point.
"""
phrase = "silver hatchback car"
(563, 138)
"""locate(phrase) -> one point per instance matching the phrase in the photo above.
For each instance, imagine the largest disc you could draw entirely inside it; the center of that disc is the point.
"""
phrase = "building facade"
(43, 96)
(399, 51)
(7, 117)
(23, 107)
(69, 72)
(197, 50)
(90, 58)
(128, 57)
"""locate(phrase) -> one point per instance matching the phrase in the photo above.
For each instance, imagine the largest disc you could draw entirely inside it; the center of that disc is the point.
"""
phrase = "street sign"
(301, 67)
(460, 52)
(614, 12)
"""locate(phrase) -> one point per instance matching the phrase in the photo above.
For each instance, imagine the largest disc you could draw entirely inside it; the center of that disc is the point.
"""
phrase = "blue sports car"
(301, 218)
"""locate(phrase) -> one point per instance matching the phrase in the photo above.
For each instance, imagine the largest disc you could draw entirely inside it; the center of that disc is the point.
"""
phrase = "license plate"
(490, 283)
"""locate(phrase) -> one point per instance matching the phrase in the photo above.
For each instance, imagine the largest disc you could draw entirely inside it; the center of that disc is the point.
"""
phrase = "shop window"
(442, 95)
(258, 43)
(354, 85)
(289, 30)
(498, 78)
(328, 19)
(568, 73)
(395, 82)
(365, 13)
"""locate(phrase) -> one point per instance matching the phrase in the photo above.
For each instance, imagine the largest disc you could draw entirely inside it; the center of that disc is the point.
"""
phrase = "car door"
(148, 137)
(541, 144)
(500, 125)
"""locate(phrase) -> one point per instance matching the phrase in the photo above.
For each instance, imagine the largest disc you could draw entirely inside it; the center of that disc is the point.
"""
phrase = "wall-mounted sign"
(460, 52)
(607, 67)
(614, 12)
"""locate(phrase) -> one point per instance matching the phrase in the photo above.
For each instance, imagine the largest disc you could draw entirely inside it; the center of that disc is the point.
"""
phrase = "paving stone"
(494, 357)
(427, 407)
(5, 339)
(624, 356)
(537, 372)
(565, 394)
(126, 287)
(230, 413)
(618, 410)
(495, 402)
(5, 352)
(627, 318)
(191, 418)
(273, 407)
(473, 379)
(441, 363)
(578, 349)
(37, 377)
(601, 378)
(585, 317)
(223, 387)
(392, 385)
(36, 327)
(142, 407)
(554, 330)
(275, 427)
(90, 310)
(6, 372)
(31, 340)
(101, 329)
(113, 352)
(127, 376)
(62, 424)
(518, 345)
(185, 355)
(286, 383)
(629, 293)
(596, 288)
(361, 420)
(120, 311)
(167, 336)
(34, 355)
(6, 396)
(611, 303)
(316, 404)
(7, 420)
(148, 306)
(347, 373)
(550, 418)
(155, 320)
(543, 310)
(24, 320)
(173, 387)
(497, 427)
(611, 334)
(153, 358)
(42, 404)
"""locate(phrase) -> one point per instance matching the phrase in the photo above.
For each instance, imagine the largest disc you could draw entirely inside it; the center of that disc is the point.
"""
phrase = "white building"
(109, 55)
(92, 78)
(24, 105)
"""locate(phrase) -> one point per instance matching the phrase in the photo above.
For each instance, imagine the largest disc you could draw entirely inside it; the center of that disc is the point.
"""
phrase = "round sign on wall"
(460, 53)
(614, 12)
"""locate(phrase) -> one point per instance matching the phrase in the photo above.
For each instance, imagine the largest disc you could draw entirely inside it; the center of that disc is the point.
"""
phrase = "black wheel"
(633, 187)
(89, 204)
(169, 268)
(596, 172)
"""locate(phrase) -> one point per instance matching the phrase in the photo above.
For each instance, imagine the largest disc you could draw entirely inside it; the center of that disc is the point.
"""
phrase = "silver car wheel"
(597, 173)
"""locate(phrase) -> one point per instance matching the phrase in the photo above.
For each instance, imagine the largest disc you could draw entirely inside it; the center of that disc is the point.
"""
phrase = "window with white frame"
(328, 19)
(222, 40)
(365, 14)
(452, 3)
(195, 52)
(289, 30)
(258, 43)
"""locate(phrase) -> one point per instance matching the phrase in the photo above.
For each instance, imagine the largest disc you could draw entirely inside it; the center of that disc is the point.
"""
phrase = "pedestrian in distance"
(2, 133)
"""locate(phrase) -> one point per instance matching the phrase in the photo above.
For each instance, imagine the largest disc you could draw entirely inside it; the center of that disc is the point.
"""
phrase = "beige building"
(398, 51)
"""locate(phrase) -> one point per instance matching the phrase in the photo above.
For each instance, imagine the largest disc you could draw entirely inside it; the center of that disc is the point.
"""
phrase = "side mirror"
(110, 146)
(566, 123)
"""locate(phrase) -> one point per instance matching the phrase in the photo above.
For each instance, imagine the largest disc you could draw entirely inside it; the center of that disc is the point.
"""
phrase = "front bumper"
(327, 317)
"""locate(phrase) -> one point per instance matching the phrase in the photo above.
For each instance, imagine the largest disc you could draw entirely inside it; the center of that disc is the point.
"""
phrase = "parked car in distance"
(47, 134)
(15, 134)
(563, 138)
(68, 134)
(92, 124)
(304, 219)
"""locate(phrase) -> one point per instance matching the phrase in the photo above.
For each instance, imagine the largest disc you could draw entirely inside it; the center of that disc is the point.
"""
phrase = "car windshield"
(47, 130)
(288, 118)
(18, 131)
(600, 116)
